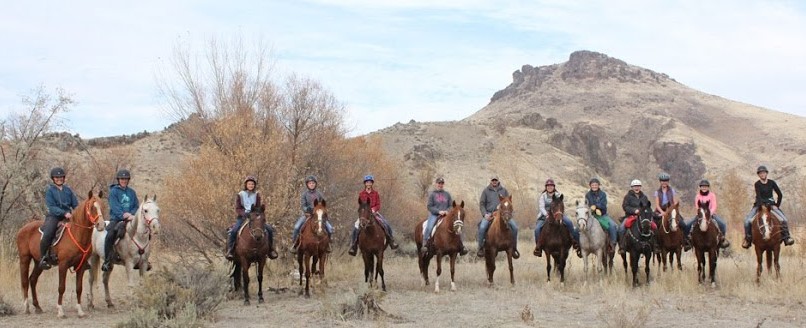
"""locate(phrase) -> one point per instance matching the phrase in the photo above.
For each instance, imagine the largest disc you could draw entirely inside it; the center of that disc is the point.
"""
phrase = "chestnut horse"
(638, 241)
(313, 241)
(554, 239)
(670, 237)
(72, 250)
(446, 240)
(372, 242)
(251, 247)
(705, 238)
(499, 238)
(767, 239)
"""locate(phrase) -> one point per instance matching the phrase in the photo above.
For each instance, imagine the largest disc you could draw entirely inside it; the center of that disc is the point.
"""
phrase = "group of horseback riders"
(61, 201)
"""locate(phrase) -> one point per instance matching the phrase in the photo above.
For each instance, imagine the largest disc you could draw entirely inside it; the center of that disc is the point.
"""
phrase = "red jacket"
(373, 197)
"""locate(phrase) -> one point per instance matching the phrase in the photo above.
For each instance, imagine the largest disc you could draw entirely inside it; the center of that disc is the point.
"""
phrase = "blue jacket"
(308, 196)
(598, 198)
(60, 202)
(122, 201)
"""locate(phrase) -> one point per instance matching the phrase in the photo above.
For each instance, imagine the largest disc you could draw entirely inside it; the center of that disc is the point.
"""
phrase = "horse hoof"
(713, 285)
(307, 295)
(110, 306)
(246, 302)
(82, 315)
(38, 311)
(260, 301)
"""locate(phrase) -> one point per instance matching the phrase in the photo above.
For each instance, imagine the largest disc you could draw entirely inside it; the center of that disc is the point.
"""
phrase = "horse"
(372, 242)
(499, 238)
(705, 238)
(72, 251)
(313, 242)
(554, 239)
(133, 249)
(446, 240)
(670, 237)
(252, 247)
(767, 239)
(592, 238)
(639, 242)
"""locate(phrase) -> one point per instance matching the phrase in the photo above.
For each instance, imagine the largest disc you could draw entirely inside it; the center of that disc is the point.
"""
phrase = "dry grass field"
(673, 299)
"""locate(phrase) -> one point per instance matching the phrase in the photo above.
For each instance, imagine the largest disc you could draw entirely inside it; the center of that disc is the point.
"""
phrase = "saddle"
(59, 233)
(433, 232)
(603, 221)
(632, 218)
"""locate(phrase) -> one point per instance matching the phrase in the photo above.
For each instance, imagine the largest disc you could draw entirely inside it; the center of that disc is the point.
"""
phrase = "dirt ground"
(673, 299)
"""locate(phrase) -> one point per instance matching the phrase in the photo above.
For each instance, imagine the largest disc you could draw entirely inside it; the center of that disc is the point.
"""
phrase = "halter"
(252, 230)
(141, 249)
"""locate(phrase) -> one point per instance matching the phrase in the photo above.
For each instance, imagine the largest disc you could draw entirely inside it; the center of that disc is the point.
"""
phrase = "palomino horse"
(499, 238)
(72, 251)
(446, 240)
(313, 243)
(133, 249)
(592, 238)
(251, 247)
(705, 238)
(767, 239)
(638, 241)
(670, 237)
(372, 242)
(554, 239)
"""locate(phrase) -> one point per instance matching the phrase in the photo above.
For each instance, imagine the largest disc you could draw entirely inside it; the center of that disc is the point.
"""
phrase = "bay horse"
(554, 239)
(639, 241)
(592, 238)
(766, 239)
(705, 238)
(251, 247)
(670, 237)
(372, 243)
(313, 242)
(499, 238)
(133, 249)
(72, 250)
(446, 240)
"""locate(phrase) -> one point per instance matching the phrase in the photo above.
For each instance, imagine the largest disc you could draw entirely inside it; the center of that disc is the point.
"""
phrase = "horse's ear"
(89, 194)
(500, 197)
(101, 194)
(154, 198)
(145, 198)
(561, 197)
(453, 204)
(252, 209)
(462, 205)
(315, 202)
(262, 208)
(577, 202)
(324, 204)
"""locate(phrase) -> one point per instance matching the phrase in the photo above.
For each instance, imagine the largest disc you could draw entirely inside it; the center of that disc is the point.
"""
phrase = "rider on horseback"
(597, 199)
(631, 205)
(544, 202)
(439, 202)
(764, 188)
(371, 196)
(706, 196)
(244, 201)
(309, 195)
(488, 203)
(665, 197)
(122, 203)
(60, 201)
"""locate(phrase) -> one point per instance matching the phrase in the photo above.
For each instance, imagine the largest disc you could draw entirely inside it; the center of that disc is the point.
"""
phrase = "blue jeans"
(233, 233)
(687, 224)
(432, 220)
(568, 225)
(748, 220)
(484, 225)
(301, 221)
(611, 230)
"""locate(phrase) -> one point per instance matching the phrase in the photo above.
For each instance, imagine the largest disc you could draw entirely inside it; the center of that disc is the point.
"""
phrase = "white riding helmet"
(635, 182)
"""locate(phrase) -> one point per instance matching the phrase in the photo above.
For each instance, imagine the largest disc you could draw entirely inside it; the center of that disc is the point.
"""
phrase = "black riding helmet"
(57, 172)
(310, 178)
(762, 169)
(123, 174)
(704, 182)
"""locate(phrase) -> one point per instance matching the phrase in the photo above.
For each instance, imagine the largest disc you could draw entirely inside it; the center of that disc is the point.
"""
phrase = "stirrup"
(538, 252)
(44, 264)
(788, 241)
(107, 266)
(746, 243)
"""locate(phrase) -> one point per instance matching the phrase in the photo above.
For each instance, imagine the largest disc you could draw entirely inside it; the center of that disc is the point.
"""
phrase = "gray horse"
(592, 238)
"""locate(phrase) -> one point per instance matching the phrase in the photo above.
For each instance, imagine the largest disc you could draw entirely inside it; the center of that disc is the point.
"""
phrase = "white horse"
(134, 248)
(592, 238)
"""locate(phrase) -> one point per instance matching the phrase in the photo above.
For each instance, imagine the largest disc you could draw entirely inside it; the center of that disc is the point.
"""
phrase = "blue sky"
(393, 61)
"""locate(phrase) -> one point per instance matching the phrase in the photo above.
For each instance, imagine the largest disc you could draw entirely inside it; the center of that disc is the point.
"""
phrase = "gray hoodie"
(488, 202)
(439, 200)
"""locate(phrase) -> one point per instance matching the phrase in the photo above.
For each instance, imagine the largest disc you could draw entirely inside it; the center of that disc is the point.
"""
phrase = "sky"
(392, 61)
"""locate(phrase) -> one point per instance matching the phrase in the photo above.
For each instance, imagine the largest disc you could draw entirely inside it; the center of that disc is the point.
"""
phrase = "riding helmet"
(761, 169)
(369, 178)
(550, 182)
(664, 176)
(310, 178)
(57, 172)
(704, 182)
(249, 178)
(594, 180)
(123, 174)
(635, 182)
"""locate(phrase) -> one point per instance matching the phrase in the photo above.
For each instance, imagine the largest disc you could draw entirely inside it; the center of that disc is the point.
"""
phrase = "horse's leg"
(511, 268)
(561, 265)
(759, 259)
(245, 265)
(701, 265)
(453, 271)
(439, 271)
(307, 276)
(769, 261)
(260, 264)
(364, 256)
(129, 265)
(379, 270)
(79, 289)
(647, 263)
(62, 282)
(299, 265)
(679, 252)
(107, 296)
(93, 279)
(322, 262)
(712, 258)
(34, 279)
(489, 265)
(634, 257)
(25, 264)
(775, 253)
(424, 262)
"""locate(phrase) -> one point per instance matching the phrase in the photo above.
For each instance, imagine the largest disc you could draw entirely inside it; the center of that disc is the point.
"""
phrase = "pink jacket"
(710, 198)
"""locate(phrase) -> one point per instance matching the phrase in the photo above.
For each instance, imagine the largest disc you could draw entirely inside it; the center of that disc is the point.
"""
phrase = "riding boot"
(391, 240)
(353, 243)
(748, 240)
(687, 243)
(575, 245)
(43, 262)
(463, 250)
(295, 245)
(231, 245)
(515, 254)
(622, 245)
(788, 241)
(272, 252)
(723, 242)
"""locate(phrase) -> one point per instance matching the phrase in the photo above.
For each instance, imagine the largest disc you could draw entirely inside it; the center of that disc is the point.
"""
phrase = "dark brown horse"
(499, 238)
(72, 250)
(639, 241)
(670, 237)
(251, 246)
(446, 241)
(313, 245)
(767, 239)
(705, 239)
(372, 243)
(554, 239)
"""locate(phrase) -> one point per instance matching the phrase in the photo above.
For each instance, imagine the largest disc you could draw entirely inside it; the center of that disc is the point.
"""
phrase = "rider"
(371, 196)
(244, 201)
(439, 202)
(488, 203)
(122, 203)
(60, 201)
(665, 197)
(309, 195)
(597, 199)
(631, 205)
(705, 195)
(764, 188)
(543, 204)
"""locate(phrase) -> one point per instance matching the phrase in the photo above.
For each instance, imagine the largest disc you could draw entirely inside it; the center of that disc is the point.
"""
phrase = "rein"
(84, 251)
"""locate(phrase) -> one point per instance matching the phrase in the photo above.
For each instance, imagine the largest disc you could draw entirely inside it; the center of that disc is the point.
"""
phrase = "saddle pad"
(425, 225)
(243, 225)
(57, 237)
(603, 221)
(629, 221)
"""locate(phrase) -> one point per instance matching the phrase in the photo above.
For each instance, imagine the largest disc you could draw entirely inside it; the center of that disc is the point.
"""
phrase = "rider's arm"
(239, 206)
(483, 202)
(432, 205)
(777, 193)
(541, 205)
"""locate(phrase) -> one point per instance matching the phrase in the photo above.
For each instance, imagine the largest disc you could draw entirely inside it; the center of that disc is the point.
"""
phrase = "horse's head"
(320, 214)
(257, 220)
(364, 214)
(94, 209)
(583, 213)
(670, 217)
(704, 214)
(557, 208)
(763, 219)
(645, 219)
(150, 213)
(505, 208)
(456, 216)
